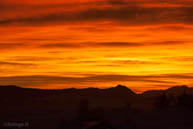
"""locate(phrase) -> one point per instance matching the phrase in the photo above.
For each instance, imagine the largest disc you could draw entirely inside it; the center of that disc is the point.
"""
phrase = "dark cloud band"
(128, 15)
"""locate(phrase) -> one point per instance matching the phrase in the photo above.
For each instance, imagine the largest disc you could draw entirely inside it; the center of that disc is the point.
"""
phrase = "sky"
(143, 44)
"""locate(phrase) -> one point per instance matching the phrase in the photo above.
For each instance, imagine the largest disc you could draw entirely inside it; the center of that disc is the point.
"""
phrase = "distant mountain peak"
(175, 90)
(9, 86)
(183, 87)
(121, 87)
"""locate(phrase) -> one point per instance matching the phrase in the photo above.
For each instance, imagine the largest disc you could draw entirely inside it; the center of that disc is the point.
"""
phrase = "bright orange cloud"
(145, 44)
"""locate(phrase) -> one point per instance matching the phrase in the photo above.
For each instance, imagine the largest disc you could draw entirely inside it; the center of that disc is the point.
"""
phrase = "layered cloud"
(99, 43)
(38, 81)
(140, 12)
(101, 81)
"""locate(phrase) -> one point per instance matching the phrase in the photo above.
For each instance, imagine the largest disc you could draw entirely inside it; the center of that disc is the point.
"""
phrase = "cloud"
(184, 59)
(32, 58)
(60, 45)
(83, 45)
(89, 45)
(177, 76)
(110, 44)
(44, 80)
(15, 64)
(137, 62)
(132, 13)
(117, 2)
(70, 81)
(164, 43)
(117, 44)
(11, 45)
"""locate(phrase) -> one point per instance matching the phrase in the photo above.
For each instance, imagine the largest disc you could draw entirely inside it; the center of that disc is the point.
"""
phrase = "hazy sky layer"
(144, 44)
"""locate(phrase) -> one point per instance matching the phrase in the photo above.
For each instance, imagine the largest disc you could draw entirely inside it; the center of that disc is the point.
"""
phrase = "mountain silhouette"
(121, 89)
(93, 108)
(117, 91)
(179, 90)
(176, 91)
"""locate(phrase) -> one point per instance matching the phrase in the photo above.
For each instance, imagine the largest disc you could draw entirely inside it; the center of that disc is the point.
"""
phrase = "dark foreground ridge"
(121, 89)
(92, 108)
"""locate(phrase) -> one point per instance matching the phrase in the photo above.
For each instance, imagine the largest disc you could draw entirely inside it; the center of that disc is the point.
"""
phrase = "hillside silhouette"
(92, 108)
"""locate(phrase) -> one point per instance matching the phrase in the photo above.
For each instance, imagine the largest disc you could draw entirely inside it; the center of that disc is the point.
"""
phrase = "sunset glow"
(144, 44)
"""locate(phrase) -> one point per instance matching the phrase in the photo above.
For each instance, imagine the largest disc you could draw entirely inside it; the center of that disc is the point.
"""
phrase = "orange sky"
(144, 44)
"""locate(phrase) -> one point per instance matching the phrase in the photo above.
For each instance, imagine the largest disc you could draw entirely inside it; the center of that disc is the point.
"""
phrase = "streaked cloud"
(10, 45)
(38, 81)
(8, 65)
(100, 43)
(31, 58)
(132, 13)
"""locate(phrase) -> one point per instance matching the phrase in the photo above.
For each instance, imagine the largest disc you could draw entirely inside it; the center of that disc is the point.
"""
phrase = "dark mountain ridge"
(119, 89)
(119, 93)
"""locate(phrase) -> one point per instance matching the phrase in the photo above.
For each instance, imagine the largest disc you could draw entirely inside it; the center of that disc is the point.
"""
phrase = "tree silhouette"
(186, 100)
(162, 101)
